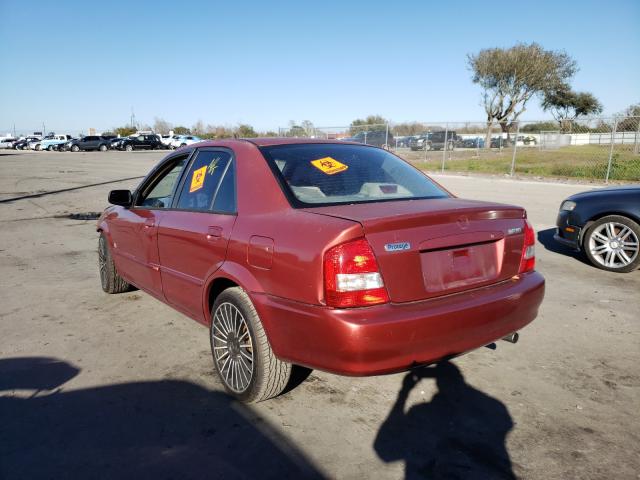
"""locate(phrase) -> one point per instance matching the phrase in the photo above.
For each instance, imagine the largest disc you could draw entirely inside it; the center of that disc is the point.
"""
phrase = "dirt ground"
(122, 386)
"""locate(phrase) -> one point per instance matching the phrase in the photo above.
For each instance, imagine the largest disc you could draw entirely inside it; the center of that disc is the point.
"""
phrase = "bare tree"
(309, 128)
(198, 128)
(511, 77)
(409, 128)
(161, 126)
(219, 131)
(631, 120)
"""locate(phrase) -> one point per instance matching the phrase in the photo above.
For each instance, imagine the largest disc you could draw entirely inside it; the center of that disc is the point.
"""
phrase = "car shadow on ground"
(156, 429)
(64, 190)
(460, 433)
(545, 237)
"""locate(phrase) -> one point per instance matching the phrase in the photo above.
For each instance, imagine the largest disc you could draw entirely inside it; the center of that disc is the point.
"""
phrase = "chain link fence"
(591, 149)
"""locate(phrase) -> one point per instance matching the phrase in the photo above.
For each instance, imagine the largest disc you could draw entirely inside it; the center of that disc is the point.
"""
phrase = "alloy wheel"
(232, 347)
(613, 245)
(102, 260)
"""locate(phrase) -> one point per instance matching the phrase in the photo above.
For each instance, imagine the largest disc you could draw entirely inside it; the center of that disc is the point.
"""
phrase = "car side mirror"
(121, 197)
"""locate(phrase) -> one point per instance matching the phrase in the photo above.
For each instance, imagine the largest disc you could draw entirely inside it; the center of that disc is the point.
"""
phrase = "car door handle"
(214, 233)
(149, 222)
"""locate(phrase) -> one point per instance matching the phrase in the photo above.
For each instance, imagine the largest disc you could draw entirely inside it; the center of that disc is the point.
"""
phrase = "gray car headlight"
(568, 205)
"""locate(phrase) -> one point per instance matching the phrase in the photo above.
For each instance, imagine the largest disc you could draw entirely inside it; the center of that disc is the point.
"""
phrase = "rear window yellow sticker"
(197, 180)
(329, 165)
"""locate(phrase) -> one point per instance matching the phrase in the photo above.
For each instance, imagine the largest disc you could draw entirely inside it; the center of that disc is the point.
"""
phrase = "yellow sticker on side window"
(197, 180)
(329, 165)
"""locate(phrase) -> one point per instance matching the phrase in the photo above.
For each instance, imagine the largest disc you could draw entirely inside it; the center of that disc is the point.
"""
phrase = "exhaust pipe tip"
(512, 337)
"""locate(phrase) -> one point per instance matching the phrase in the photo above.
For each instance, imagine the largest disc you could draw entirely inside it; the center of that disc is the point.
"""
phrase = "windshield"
(333, 174)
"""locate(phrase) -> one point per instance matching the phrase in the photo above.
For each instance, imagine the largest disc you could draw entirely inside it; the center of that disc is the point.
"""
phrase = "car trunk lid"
(432, 247)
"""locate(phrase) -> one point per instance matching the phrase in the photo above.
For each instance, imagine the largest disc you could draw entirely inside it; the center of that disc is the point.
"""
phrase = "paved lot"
(93, 385)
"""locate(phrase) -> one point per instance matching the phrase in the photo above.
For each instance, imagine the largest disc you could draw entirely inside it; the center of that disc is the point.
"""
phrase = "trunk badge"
(397, 247)
(514, 231)
(463, 222)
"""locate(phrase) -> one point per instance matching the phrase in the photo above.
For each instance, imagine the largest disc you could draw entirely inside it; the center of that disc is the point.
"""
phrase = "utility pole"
(133, 119)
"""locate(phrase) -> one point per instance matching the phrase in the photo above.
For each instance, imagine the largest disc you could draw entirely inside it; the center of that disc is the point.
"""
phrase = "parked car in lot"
(54, 142)
(436, 141)
(403, 142)
(477, 142)
(184, 140)
(141, 142)
(526, 140)
(167, 139)
(7, 142)
(346, 259)
(90, 142)
(498, 142)
(605, 225)
(377, 138)
(23, 144)
(420, 142)
(444, 138)
(115, 143)
(35, 144)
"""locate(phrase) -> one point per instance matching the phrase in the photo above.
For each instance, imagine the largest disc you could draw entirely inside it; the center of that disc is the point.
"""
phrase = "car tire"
(102, 148)
(50, 148)
(249, 371)
(128, 148)
(38, 147)
(110, 280)
(612, 243)
(75, 148)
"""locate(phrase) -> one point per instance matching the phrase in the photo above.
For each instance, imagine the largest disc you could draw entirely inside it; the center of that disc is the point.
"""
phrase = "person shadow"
(459, 434)
(166, 429)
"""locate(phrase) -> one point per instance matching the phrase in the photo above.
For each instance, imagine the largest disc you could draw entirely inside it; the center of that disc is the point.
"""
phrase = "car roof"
(271, 141)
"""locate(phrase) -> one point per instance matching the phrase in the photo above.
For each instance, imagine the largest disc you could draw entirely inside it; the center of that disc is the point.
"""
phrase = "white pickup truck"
(52, 142)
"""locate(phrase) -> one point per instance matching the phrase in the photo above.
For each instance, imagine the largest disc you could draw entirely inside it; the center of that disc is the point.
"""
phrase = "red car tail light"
(528, 259)
(352, 277)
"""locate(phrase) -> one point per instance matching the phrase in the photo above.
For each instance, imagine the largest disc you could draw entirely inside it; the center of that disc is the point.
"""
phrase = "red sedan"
(330, 255)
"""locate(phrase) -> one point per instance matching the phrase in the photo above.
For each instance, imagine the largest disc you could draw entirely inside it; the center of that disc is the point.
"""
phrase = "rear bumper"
(394, 337)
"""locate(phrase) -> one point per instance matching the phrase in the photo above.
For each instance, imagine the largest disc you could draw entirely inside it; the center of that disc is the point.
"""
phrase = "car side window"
(159, 193)
(225, 201)
(202, 180)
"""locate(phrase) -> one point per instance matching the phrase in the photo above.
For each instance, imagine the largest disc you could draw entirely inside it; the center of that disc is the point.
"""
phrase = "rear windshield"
(333, 174)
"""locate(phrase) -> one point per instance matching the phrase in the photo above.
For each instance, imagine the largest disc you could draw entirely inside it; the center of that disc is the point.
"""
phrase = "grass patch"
(585, 161)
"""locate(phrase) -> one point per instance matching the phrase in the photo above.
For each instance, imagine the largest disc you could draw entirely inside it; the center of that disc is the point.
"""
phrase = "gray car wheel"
(242, 355)
(110, 280)
(613, 243)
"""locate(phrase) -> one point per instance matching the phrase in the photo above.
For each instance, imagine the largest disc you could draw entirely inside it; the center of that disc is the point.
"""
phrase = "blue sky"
(81, 64)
